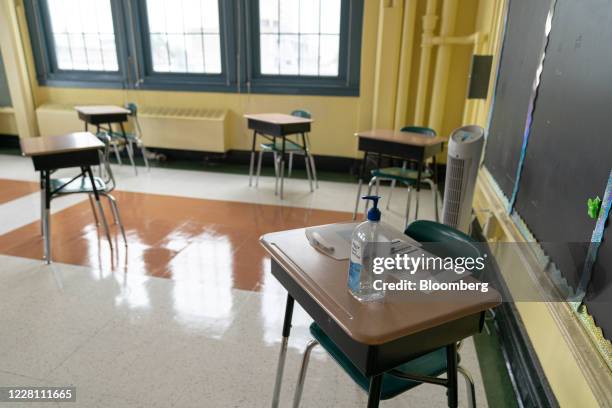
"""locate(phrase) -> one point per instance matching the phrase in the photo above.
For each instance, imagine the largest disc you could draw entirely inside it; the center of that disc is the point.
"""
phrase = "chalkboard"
(519, 61)
(569, 154)
(5, 97)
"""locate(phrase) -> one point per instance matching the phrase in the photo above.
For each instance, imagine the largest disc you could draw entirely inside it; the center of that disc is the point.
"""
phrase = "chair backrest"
(133, 108)
(302, 113)
(446, 241)
(419, 129)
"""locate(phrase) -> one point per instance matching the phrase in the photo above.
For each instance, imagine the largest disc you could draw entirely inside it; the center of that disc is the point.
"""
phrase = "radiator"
(171, 128)
(186, 129)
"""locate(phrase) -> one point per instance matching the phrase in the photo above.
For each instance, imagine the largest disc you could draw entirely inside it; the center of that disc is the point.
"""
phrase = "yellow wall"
(336, 118)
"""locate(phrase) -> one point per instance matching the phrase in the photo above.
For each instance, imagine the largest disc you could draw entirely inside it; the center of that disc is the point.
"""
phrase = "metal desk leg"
(418, 190)
(99, 204)
(451, 374)
(361, 174)
(128, 146)
(252, 157)
(282, 167)
(306, 161)
(46, 214)
(435, 180)
(283, 351)
(374, 392)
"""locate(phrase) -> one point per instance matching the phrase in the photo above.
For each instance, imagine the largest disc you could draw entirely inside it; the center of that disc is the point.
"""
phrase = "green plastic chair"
(455, 243)
(406, 176)
(131, 138)
(431, 364)
(291, 147)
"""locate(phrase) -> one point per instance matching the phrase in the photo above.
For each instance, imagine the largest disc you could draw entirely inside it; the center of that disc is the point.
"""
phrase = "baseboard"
(9, 141)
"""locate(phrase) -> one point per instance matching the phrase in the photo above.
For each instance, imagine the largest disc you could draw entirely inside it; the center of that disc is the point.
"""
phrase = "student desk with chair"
(410, 146)
(82, 150)
(271, 126)
(372, 339)
(107, 115)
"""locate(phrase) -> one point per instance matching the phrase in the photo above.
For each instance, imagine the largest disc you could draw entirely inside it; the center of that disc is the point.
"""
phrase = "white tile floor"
(138, 341)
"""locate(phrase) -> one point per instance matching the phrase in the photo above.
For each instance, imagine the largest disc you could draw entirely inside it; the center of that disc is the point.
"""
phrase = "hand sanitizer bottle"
(363, 250)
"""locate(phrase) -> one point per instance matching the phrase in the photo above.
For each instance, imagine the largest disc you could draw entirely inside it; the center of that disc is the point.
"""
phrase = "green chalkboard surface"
(569, 154)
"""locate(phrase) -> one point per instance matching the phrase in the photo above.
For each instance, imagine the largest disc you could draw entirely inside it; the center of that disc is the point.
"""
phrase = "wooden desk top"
(401, 314)
(396, 136)
(277, 118)
(93, 110)
(39, 146)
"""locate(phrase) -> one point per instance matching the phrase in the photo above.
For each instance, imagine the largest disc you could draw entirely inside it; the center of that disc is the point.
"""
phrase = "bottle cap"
(374, 212)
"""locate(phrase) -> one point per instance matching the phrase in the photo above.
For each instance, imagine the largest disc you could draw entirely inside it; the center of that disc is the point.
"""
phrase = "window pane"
(178, 56)
(309, 55)
(212, 52)
(309, 16)
(195, 53)
(161, 57)
(269, 54)
(268, 17)
(62, 51)
(93, 47)
(289, 49)
(328, 55)
(330, 17)
(210, 16)
(184, 36)
(299, 37)
(81, 42)
(289, 14)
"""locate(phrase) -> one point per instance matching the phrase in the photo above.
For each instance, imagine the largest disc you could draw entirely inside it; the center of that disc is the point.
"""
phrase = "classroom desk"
(377, 336)
(271, 126)
(57, 152)
(105, 115)
(404, 145)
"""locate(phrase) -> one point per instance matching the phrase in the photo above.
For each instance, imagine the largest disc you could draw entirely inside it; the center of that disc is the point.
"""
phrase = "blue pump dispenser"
(374, 212)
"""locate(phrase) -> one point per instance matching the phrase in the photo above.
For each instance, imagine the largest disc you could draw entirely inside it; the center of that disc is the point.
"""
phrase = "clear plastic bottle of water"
(364, 243)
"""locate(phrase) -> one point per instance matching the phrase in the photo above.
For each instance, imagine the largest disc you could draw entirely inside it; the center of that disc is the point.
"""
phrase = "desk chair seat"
(81, 186)
(401, 174)
(431, 364)
(291, 148)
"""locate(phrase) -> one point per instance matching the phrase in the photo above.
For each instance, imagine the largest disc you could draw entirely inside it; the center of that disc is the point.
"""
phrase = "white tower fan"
(464, 150)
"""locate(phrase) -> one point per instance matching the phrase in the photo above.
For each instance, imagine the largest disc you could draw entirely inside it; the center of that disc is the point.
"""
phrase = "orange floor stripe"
(171, 237)
(13, 189)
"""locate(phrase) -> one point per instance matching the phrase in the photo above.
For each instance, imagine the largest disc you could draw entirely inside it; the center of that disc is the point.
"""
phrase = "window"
(80, 41)
(259, 46)
(184, 35)
(77, 42)
(299, 37)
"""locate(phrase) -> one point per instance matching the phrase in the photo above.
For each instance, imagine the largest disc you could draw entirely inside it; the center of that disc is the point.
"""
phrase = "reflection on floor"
(138, 341)
(127, 338)
(169, 237)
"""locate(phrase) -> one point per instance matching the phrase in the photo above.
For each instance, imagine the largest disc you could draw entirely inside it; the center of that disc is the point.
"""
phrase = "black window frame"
(47, 71)
(239, 33)
(349, 58)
